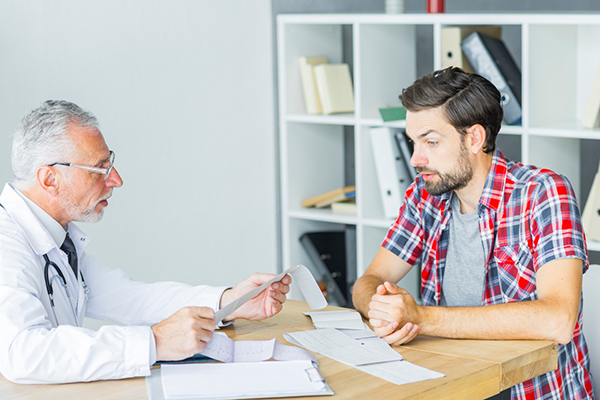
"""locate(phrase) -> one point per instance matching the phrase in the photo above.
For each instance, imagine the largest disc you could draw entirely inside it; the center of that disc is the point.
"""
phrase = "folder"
(327, 252)
(309, 86)
(392, 175)
(452, 54)
(406, 154)
(591, 213)
(490, 58)
(268, 379)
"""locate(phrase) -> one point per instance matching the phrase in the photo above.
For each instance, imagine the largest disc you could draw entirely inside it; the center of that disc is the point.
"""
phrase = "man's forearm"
(363, 291)
(526, 320)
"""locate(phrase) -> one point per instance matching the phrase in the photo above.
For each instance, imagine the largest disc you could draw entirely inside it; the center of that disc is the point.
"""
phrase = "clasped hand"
(188, 331)
(394, 314)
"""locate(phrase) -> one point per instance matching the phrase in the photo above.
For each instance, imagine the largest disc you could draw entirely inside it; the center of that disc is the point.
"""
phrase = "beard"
(81, 213)
(454, 180)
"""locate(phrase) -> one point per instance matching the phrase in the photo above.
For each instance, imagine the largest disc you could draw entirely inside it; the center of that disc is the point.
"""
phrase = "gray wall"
(183, 90)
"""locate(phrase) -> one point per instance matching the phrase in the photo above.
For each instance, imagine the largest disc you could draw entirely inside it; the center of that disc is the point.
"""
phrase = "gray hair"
(42, 138)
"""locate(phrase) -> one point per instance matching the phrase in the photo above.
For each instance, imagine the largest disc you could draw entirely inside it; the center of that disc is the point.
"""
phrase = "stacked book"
(327, 87)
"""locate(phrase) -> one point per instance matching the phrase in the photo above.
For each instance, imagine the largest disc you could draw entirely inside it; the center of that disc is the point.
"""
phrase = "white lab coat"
(35, 348)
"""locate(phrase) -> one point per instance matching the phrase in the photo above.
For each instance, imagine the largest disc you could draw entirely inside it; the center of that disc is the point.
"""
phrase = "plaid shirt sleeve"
(556, 226)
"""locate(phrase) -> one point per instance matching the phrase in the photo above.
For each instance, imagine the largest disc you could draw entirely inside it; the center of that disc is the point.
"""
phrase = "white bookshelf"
(559, 56)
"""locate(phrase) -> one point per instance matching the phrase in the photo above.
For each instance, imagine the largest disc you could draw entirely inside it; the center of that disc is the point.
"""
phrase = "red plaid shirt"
(527, 218)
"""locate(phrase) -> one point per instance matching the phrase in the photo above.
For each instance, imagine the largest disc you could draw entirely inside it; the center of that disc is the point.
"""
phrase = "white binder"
(591, 212)
(391, 172)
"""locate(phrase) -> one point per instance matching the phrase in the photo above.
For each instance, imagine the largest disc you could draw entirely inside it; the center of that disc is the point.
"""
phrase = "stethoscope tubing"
(49, 288)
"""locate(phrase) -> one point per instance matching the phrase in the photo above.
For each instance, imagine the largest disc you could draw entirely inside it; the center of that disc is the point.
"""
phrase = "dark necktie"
(69, 248)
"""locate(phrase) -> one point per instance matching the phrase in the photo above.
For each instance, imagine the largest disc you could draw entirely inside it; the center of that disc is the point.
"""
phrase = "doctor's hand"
(268, 303)
(184, 333)
(394, 314)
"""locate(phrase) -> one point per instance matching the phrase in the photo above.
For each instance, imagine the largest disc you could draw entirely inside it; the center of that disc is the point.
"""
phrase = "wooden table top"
(475, 369)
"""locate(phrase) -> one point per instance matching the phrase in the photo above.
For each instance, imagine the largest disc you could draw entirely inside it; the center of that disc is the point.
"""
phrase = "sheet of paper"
(308, 286)
(224, 349)
(240, 380)
(363, 350)
(345, 319)
(335, 344)
(400, 372)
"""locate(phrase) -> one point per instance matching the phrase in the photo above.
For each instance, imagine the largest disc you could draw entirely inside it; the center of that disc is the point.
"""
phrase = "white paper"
(363, 350)
(400, 372)
(224, 349)
(309, 287)
(345, 319)
(217, 380)
(338, 346)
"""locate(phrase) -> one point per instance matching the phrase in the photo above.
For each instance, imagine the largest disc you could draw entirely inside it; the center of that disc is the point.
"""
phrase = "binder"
(452, 54)
(327, 252)
(309, 86)
(490, 58)
(392, 174)
(591, 212)
(406, 152)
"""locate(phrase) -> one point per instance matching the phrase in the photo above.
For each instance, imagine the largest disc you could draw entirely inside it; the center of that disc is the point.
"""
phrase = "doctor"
(65, 172)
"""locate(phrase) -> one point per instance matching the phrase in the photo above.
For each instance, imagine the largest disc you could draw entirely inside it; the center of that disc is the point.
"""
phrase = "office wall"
(183, 90)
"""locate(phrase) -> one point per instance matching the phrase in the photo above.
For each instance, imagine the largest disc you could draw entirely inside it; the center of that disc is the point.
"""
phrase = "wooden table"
(475, 369)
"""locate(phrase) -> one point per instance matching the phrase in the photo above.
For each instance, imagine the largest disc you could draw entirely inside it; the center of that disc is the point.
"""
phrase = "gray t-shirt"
(463, 280)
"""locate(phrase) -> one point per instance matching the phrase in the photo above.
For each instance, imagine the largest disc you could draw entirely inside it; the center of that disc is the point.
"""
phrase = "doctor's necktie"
(69, 248)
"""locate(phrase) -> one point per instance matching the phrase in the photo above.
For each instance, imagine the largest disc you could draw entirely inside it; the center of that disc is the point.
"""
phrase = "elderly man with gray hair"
(64, 172)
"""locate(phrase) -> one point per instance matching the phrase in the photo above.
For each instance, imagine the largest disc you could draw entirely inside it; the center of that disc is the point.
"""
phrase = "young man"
(500, 245)
(65, 172)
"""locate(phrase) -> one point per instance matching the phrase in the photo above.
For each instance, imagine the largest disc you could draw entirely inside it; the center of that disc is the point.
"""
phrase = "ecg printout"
(224, 349)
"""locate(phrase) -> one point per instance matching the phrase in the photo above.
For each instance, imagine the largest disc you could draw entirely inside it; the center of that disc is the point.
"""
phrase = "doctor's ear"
(47, 180)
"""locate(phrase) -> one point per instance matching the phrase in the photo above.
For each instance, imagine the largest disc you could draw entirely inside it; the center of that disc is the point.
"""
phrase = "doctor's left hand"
(268, 303)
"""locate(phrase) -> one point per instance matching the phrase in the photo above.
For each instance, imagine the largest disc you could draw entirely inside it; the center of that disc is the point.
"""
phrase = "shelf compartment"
(386, 64)
(315, 161)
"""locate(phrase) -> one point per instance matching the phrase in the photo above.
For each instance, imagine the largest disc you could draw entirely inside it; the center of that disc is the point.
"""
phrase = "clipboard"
(155, 390)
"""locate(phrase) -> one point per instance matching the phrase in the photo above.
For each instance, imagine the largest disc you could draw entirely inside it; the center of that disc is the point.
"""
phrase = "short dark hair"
(466, 100)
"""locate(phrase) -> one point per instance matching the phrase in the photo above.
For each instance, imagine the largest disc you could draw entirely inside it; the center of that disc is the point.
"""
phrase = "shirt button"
(443, 226)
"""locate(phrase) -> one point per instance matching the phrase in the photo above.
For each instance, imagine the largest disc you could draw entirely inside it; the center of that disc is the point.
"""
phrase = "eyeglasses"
(105, 171)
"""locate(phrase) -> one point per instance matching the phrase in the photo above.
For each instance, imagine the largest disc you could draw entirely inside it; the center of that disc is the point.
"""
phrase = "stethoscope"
(50, 279)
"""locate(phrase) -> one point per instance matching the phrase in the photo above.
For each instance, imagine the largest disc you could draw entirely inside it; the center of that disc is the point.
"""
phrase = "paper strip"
(222, 348)
(309, 287)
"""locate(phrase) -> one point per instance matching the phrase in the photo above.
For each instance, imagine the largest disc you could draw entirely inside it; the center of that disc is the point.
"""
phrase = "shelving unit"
(558, 54)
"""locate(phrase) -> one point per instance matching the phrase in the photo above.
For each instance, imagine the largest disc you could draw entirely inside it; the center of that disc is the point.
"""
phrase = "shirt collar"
(493, 190)
(55, 229)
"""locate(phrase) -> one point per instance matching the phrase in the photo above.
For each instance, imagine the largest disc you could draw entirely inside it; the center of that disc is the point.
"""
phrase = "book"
(334, 86)
(327, 252)
(392, 173)
(326, 199)
(392, 113)
(490, 58)
(452, 54)
(591, 113)
(344, 207)
(309, 86)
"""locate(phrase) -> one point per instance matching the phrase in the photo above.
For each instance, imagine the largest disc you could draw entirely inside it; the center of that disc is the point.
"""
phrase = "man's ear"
(477, 137)
(46, 178)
